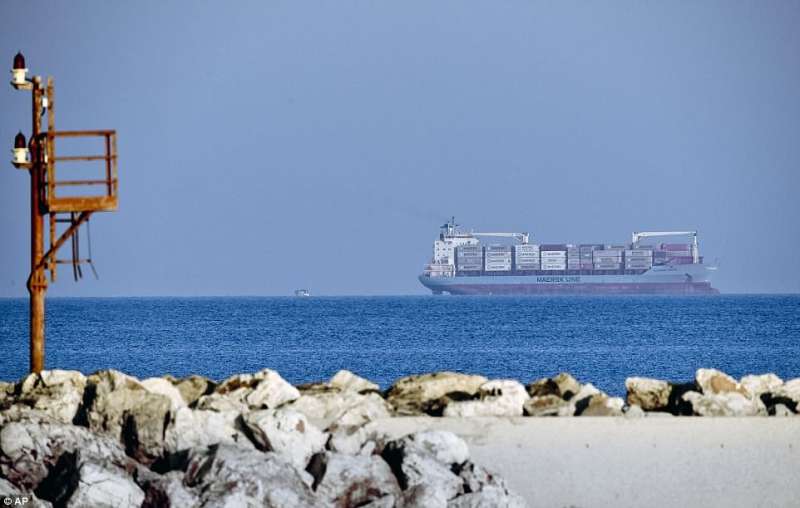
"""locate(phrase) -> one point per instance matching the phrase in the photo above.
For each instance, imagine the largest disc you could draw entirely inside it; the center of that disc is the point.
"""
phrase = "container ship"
(461, 265)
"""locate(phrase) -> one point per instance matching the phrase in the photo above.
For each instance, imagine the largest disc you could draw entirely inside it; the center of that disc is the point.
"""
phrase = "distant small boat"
(302, 292)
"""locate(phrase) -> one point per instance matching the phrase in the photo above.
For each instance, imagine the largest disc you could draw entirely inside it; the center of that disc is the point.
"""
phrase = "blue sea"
(601, 340)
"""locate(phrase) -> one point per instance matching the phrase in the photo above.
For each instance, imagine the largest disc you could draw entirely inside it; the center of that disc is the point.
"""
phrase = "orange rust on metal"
(81, 204)
(44, 201)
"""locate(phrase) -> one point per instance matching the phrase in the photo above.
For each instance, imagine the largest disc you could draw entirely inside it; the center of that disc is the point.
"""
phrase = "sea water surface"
(601, 340)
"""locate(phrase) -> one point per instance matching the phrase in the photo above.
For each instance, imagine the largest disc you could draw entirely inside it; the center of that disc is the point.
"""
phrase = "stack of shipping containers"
(469, 259)
(497, 258)
(573, 257)
(677, 253)
(607, 259)
(554, 257)
(526, 257)
(586, 256)
(639, 259)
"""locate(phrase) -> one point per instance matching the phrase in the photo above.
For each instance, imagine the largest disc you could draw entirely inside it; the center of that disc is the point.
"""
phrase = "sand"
(617, 461)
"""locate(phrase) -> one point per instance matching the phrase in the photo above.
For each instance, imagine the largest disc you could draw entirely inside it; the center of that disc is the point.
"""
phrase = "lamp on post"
(19, 74)
(21, 158)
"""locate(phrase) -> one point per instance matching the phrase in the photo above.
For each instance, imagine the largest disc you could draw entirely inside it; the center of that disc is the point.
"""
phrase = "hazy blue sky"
(267, 146)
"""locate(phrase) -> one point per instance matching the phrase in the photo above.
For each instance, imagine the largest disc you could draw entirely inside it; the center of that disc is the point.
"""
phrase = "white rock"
(99, 487)
(232, 477)
(634, 411)
(287, 433)
(790, 389)
(265, 389)
(57, 393)
(347, 381)
(713, 381)
(201, 429)
(649, 394)
(229, 402)
(566, 385)
(341, 407)
(424, 496)
(350, 480)
(412, 394)
(725, 404)
(756, 385)
(444, 446)
(163, 387)
(543, 405)
(23, 498)
(502, 397)
(488, 497)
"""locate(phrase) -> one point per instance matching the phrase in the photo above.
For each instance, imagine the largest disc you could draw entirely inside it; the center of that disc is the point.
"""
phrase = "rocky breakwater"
(109, 439)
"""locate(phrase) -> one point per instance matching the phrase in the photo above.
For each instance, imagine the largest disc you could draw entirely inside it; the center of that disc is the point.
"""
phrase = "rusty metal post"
(37, 283)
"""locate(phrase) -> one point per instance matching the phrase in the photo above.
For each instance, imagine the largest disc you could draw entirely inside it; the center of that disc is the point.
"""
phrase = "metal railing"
(109, 138)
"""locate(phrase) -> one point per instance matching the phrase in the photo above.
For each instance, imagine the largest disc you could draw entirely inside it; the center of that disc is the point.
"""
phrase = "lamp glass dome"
(19, 61)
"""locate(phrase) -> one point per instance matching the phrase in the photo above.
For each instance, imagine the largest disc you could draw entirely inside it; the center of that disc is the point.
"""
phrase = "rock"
(543, 387)
(414, 394)
(190, 429)
(144, 425)
(347, 381)
(415, 462)
(111, 396)
(101, 486)
(6, 394)
(348, 480)
(232, 477)
(781, 410)
(568, 386)
(599, 404)
(341, 407)
(713, 381)
(57, 393)
(482, 488)
(633, 411)
(164, 387)
(579, 401)
(348, 439)
(265, 389)
(731, 403)
(543, 405)
(285, 432)
(503, 397)
(222, 403)
(166, 491)
(771, 402)
(193, 387)
(424, 496)
(28, 450)
(764, 383)
(27, 499)
(649, 394)
(445, 447)
(790, 390)
(488, 497)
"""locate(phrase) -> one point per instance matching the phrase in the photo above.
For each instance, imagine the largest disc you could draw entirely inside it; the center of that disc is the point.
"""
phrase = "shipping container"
(553, 246)
(633, 253)
(553, 254)
(470, 268)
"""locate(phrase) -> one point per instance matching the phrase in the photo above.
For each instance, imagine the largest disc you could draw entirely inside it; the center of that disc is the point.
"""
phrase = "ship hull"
(674, 280)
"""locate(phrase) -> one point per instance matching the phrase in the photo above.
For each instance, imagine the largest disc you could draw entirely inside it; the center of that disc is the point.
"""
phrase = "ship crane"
(637, 235)
(522, 237)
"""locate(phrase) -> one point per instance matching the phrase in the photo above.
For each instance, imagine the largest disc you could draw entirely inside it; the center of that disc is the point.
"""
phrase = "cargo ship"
(461, 265)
